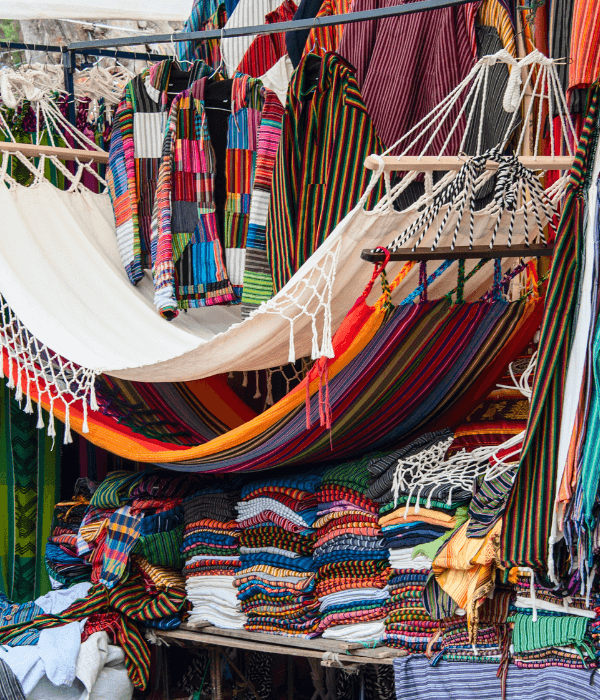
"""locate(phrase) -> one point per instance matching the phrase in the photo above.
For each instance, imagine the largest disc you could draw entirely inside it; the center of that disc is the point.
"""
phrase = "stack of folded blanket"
(276, 580)
(350, 555)
(65, 567)
(414, 523)
(211, 552)
(550, 629)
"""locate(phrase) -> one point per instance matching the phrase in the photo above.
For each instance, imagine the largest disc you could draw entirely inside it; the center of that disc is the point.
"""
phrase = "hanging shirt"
(400, 87)
(203, 11)
(258, 281)
(134, 158)
(248, 13)
(189, 269)
(295, 41)
(267, 49)
(324, 39)
(319, 175)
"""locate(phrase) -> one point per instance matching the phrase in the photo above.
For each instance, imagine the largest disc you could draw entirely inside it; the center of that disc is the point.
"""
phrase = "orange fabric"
(225, 404)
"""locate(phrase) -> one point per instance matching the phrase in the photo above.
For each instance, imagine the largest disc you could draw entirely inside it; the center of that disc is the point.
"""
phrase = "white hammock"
(65, 289)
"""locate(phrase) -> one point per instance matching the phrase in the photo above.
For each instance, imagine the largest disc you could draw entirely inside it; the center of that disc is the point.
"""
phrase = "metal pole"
(68, 60)
(292, 26)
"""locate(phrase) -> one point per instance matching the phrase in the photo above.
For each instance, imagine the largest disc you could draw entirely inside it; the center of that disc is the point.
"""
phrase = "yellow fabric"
(425, 515)
(465, 569)
(162, 577)
(491, 13)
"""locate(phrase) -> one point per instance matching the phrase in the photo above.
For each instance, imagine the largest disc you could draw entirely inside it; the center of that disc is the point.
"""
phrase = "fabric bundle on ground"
(276, 581)
(211, 552)
(350, 556)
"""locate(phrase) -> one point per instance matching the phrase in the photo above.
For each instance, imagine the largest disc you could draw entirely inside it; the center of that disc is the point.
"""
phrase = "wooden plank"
(477, 252)
(317, 643)
(282, 648)
(444, 163)
(33, 151)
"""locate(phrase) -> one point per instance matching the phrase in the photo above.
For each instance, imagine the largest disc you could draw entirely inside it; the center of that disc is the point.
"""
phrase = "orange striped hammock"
(394, 375)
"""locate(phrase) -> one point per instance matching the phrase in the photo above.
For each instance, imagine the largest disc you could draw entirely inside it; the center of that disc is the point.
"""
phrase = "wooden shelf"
(318, 648)
(444, 163)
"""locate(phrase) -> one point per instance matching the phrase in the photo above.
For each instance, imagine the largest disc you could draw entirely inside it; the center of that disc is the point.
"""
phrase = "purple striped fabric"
(419, 58)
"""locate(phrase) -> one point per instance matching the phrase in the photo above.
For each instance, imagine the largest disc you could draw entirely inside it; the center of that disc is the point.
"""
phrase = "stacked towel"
(350, 556)
(276, 580)
(211, 552)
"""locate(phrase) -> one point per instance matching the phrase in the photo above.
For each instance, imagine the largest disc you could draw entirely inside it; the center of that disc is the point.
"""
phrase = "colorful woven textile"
(258, 280)
(29, 483)
(205, 15)
(122, 532)
(326, 132)
(134, 158)
(528, 515)
(585, 36)
(162, 548)
(267, 49)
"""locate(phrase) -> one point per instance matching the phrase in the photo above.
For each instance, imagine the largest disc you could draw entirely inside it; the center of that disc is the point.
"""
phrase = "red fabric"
(266, 50)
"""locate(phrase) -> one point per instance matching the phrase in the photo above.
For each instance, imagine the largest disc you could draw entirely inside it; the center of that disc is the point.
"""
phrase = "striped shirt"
(134, 158)
(258, 281)
(319, 177)
(419, 58)
(189, 269)
(324, 39)
(248, 13)
(267, 49)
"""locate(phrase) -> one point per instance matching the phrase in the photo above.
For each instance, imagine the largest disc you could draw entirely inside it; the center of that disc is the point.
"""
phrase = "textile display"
(30, 481)
(416, 679)
(276, 579)
(531, 502)
(211, 550)
(351, 557)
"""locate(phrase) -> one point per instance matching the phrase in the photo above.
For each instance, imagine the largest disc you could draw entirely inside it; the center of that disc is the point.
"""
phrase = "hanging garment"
(529, 512)
(437, 53)
(585, 44)
(205, 14)
(295, 41)
(248, 13)
(278, 78)
(318, 179)
(492, 13)
(561, 24)
(267, 49)
(30, 486)
(134, 158)
(324, 39)
(258, 280)
(188, 269)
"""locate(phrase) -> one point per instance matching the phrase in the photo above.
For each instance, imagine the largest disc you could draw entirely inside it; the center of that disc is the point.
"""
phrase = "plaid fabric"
(188, 258)
(123, 530)
(134, 157)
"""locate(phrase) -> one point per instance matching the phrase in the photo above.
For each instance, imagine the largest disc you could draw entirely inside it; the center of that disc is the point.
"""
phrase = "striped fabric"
(437, 53)
(189, 270)
(134, 158)
(132, 600)
(10, 688)
(488, 504)
(324, 39)
(267, 49)
(205, 15)
(417, 679)
(528, 515)
(492, 13)
(319, 178)
(585, 44)
(162, 548)
(248, 13)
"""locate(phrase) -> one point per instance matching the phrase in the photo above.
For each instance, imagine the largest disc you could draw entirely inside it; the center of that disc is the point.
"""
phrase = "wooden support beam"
(444, 163)
(31, 150)
(477, 252)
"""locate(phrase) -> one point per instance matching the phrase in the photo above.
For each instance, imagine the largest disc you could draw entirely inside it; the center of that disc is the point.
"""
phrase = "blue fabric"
(351, 554)
(161, 522)
(268, 559)
(12, 613)
(309, 481)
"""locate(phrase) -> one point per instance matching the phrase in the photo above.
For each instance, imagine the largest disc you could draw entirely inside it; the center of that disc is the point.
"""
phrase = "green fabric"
(430, 549)
(162, 548)
(26, 460)
(547, 631)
